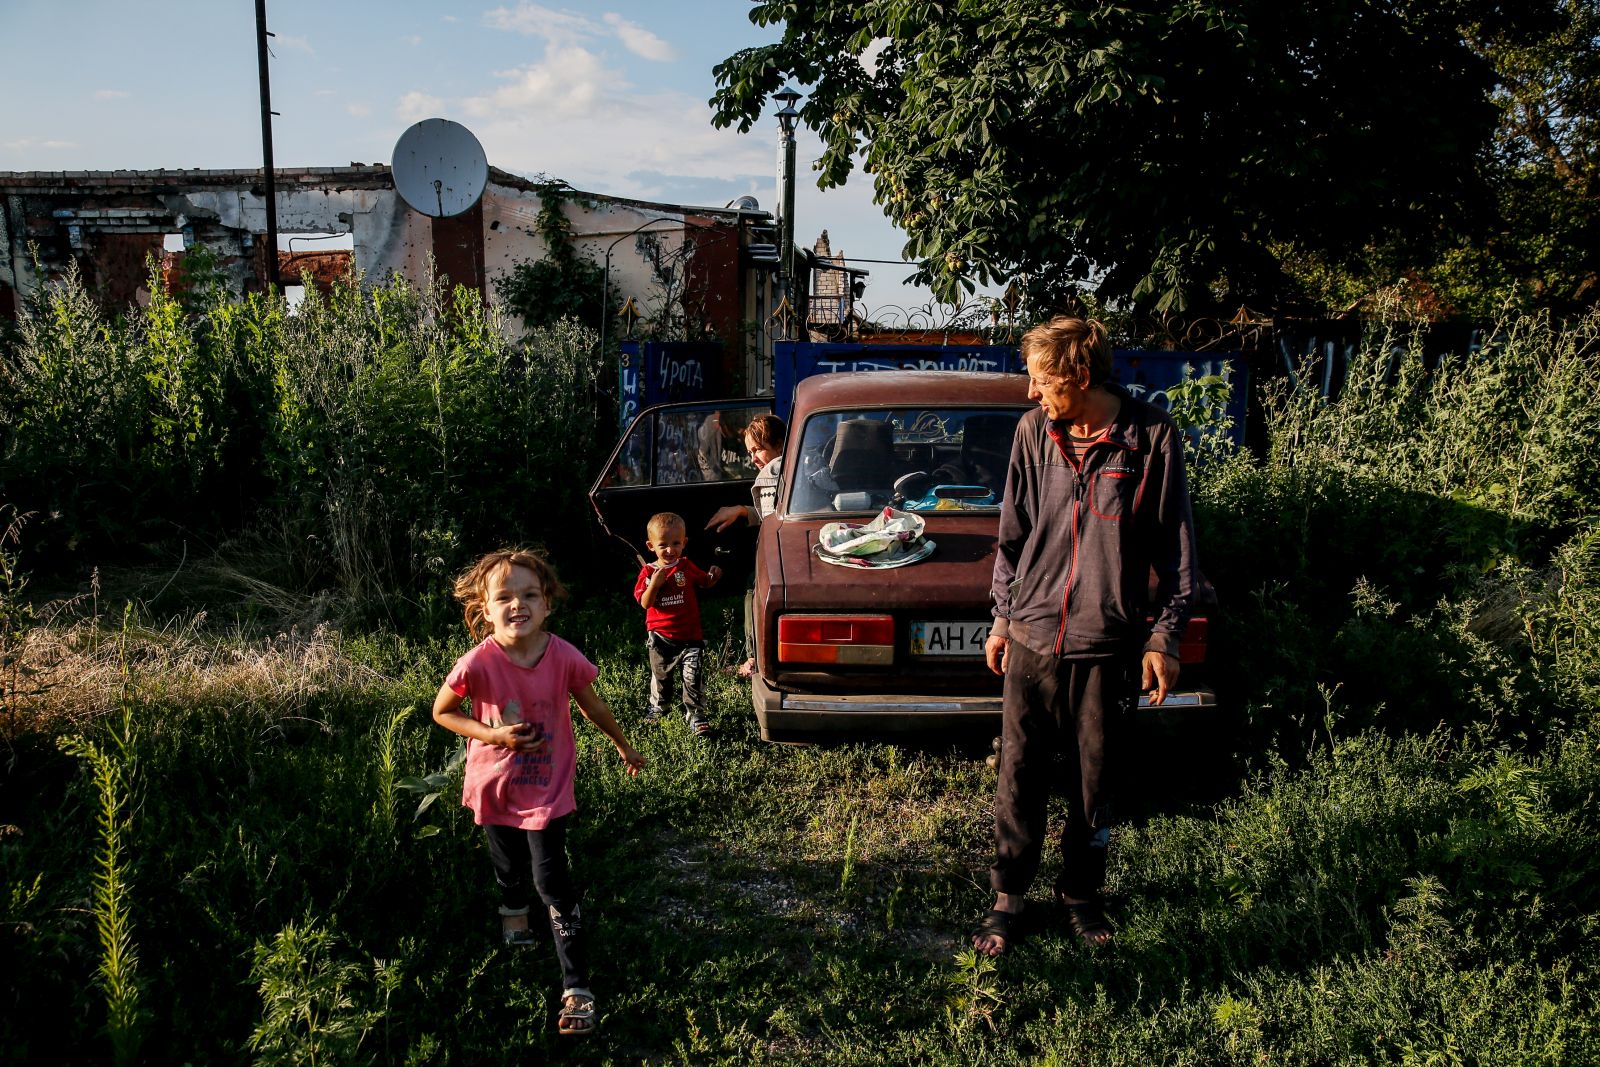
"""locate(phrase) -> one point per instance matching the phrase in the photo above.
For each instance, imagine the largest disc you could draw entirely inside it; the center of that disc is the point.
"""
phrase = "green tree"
(1547, 159)
(1160, 151)
(1539, 244)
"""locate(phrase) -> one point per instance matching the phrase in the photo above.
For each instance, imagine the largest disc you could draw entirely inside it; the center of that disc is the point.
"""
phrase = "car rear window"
(918, 459)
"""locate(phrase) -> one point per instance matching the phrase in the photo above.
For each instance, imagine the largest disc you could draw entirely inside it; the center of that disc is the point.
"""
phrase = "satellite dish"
(439, 168)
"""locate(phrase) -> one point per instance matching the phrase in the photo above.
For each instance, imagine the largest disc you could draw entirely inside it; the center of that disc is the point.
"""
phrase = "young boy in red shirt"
(667, 590)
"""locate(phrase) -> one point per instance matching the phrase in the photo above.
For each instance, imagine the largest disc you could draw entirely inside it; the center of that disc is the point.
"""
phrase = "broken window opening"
(324, 255)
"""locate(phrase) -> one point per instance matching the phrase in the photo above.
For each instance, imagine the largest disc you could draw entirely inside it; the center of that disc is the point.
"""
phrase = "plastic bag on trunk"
(893, 539)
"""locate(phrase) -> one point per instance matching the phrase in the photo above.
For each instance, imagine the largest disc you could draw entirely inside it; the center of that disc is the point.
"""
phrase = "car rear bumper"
(782, 716)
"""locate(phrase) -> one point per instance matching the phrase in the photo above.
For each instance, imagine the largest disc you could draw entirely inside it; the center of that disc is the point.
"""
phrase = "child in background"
(666, 589)
(521, 753)
(763, 440)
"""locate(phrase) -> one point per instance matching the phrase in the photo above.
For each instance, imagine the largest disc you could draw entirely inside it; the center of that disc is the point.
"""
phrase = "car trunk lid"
(954, 578)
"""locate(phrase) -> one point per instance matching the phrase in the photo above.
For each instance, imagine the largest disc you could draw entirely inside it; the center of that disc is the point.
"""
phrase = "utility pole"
(268, 173)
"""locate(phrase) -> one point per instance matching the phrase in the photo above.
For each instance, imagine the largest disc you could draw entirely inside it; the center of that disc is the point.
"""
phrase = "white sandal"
(577, 1013)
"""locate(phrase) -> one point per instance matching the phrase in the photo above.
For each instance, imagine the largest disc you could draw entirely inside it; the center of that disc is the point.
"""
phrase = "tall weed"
(309, 1011)
(1421, 540)
(382, 434)
(16, 618)
(72, 430)
(117, 972)
(1506, 430)
(1556, 609)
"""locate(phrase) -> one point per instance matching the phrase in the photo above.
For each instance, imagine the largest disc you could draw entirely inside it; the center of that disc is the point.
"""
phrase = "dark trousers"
(666, 657)
(540, 856)
(1064, 720)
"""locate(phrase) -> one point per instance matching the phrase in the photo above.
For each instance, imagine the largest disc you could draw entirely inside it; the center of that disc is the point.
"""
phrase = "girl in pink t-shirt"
(520, 751)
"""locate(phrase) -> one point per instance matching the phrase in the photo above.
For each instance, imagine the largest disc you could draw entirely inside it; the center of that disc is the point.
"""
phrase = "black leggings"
(540, 856)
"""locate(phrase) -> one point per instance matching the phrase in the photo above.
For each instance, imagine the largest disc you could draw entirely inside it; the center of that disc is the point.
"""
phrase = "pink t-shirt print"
(523, 789)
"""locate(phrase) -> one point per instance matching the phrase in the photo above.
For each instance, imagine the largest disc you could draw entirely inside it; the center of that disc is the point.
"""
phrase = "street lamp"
(787, 116)
(788, 120)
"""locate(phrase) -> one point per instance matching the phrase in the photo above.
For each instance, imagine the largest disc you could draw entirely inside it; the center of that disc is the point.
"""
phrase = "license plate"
(1174, 700)
(939, 638)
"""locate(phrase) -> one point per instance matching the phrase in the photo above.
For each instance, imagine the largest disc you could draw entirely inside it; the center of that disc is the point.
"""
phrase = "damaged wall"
(105, 223)
(108, 222)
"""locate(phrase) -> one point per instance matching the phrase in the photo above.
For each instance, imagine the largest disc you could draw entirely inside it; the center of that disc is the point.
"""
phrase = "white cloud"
(415, 40)
(358, 110)
(415, 106)
(535, 20)
(24, 143)
(574, 116)
(564, 28)
(110, 94)
(298, 44)
(648, 146)
(448, 18)
(568, 81)
(640, 41)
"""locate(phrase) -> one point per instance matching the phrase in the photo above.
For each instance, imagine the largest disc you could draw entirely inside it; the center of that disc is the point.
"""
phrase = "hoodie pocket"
(1111, 494)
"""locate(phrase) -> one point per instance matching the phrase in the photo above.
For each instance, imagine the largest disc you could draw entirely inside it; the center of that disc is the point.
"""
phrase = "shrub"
(74, 423)
(379, 435)
(1425, 541)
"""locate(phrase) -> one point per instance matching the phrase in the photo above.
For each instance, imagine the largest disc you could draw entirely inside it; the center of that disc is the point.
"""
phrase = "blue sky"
(611, 98)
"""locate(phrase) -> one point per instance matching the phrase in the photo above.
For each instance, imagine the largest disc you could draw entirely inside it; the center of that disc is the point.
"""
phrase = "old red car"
(846, 648)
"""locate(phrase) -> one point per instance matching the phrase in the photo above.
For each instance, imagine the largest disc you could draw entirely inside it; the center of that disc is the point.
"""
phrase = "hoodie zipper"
(1078, 491)
(1066, 591)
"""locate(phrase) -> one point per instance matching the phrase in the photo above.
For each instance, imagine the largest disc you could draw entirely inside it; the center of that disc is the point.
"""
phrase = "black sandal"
(1088, 922)
(1006, 925)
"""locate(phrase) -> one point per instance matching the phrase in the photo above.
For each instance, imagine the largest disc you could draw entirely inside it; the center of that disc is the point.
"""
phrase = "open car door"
(687, 458)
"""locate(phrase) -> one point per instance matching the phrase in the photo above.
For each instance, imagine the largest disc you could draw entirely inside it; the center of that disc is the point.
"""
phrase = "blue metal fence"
(663, 372)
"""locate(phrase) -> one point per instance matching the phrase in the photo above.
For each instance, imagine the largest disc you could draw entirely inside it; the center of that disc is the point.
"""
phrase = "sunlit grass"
(762, 903)
(1382, 849)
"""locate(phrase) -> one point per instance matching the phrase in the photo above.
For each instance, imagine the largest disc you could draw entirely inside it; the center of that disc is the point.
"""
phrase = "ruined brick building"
(108, 223)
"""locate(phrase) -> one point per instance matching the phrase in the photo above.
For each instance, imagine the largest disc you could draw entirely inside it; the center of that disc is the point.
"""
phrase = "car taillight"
(1192, 644)
(843, 639)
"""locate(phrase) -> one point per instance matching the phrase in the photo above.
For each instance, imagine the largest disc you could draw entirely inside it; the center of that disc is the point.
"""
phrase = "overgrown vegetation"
(1383, 851)
(562, 284)
(354, 446)
(1416, 543)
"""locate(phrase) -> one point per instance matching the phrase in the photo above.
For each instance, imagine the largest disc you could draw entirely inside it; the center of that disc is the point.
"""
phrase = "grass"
(216, 844)
(1409, 899)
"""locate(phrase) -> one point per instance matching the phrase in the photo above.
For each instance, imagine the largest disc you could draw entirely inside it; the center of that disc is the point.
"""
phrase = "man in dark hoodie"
(1096, 499)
